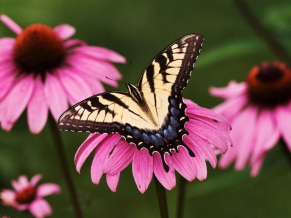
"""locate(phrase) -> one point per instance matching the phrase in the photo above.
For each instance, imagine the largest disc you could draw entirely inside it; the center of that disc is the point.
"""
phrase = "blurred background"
(139, 30)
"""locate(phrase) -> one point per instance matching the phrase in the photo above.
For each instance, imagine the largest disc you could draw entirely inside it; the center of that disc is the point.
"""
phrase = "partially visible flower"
(28, 196)
(259, 111)
(44, 70)
(112, 154)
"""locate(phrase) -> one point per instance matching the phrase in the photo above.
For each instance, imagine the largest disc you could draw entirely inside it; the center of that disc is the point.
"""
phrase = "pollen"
(269, 84)
(26, 195)
(38, 49)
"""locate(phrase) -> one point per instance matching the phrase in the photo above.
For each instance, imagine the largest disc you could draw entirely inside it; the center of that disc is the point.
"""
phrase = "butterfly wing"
(107, 112)
(168, 73)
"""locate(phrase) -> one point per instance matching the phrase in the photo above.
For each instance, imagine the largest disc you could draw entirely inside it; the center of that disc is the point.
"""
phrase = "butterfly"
(150, 114)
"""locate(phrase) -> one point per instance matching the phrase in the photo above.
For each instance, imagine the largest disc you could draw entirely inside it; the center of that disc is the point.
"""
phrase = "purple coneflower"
(112, 154)
(44, 70)
(27, 196)
(259, 111)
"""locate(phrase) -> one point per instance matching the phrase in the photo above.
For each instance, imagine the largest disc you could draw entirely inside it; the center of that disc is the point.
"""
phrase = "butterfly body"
(150, 115)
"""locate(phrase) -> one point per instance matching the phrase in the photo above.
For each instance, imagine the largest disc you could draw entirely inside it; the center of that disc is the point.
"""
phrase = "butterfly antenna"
(114, 80)
(129, 70)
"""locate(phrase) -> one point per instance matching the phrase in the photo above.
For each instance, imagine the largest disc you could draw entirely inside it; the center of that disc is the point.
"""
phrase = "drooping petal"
(204, 147)
(75, 87)
(231, 107)
(120, 158)
(167, 179)
(207, 133)
(267, 135)
(55, 96)
(199, 160)
(86, 148)
(65, 31)
(10, 24)
(15, 101)
(101, 155)
(112, 181)
(47, 189)
(37, 109)
(184, 164)
(6, 82)
(256, 166)
(100, 53)
(283, 117)
(142, 169)
(232, 89)
(40, 208)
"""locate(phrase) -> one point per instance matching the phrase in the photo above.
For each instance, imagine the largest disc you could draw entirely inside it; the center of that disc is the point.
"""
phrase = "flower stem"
(57, 141)
(162, 198)
(181, 197)
(274, 45)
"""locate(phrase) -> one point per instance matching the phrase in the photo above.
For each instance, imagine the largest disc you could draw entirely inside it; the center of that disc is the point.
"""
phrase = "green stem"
(162, 198)
(57, 141)
(274, 45)
(181, 197)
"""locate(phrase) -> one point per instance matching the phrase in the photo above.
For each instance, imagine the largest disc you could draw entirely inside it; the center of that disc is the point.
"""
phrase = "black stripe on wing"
(185, 50)
(82, 117)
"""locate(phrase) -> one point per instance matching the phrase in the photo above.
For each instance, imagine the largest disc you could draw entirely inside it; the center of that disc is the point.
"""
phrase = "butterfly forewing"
(168, 73)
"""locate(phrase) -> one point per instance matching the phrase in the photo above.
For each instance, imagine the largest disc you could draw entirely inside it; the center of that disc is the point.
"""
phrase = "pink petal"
(101, 156)
(75, 87)
(10, 24)
(97, 68)
(112, 181)
(21, 183)
(283, 116)
(6, 45)
(35, 179)
(167, 179)
(142, 169)
(231, 107)
(199, 160)
(195, 110)
(37, 109)
(184, 164)
(233, 88)
(86, 148)
(74, 42)
(267, 134)
(120, 158)
(55, 96)
(204, 147)
(47, 189)
(15, 101)
(8, 197)
(6, 82)
(94, 84)
(100, 53)
(40, 208)
(256, 166)
(208, 133)
(65, 31)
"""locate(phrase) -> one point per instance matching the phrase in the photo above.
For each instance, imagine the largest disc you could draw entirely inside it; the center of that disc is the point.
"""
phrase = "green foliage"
(138, 30)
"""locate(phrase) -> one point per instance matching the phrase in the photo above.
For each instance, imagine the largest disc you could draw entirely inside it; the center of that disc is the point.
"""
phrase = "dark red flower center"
(38, 49)
(26, 195)
(269, 84)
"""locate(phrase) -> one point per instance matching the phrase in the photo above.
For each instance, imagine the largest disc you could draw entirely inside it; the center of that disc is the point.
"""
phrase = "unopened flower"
(259, 111)
(42, 69)
(27, 196)
(113, 154)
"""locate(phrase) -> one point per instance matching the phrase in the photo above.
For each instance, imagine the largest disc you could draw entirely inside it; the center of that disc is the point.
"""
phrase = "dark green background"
(139, 30)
